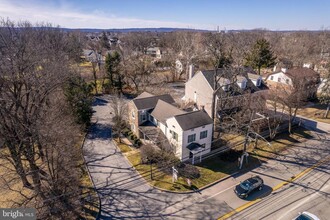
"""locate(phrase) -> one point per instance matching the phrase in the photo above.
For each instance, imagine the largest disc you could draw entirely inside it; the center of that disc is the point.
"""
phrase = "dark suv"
(247, 186)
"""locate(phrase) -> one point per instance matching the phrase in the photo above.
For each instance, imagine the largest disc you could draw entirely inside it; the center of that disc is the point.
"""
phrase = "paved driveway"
(124, 195)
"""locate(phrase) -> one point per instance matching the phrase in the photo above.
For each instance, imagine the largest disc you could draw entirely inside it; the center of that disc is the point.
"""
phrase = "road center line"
(216, 194)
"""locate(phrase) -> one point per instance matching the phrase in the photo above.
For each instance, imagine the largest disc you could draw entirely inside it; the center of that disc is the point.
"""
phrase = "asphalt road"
(125, 195)
(310, 193)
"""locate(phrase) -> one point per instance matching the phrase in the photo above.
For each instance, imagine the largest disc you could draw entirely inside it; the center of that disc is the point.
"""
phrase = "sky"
(195, 14)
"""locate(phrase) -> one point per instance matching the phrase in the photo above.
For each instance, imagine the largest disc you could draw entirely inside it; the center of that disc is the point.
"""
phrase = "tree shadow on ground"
(99, 131)
(99, 102)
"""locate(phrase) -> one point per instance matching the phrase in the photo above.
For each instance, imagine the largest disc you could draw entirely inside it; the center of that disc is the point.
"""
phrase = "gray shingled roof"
(253, 76)
(144, 95)
(193, 119)
(164, 110)
(150, 102)
(243, 71)
(240, 79)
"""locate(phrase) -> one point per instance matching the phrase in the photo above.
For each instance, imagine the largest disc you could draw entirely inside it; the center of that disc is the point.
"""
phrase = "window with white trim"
(203, 134)
(191, 138)
(174, 135)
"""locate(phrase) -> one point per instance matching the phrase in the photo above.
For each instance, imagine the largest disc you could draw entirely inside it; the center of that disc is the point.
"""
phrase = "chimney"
(284, 70)
(202, 108)
(191, 71)
(274, 69)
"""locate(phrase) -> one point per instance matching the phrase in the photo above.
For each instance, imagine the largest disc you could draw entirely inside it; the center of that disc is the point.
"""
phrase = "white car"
(306, 216)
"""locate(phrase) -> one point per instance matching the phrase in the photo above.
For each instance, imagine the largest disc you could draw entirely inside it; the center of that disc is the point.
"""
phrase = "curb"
(189, 191)
(246, 205)
(90, 177)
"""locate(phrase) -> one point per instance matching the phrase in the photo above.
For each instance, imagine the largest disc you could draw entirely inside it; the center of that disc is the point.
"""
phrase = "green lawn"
(315, 112)
(124, 148)
(211, 170)
(280, 143)
(215, 168)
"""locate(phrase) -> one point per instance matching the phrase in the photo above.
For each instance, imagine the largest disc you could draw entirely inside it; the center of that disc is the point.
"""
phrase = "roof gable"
(144, 95)
(164, 110)
(301, 72)
(150, 102)
(193, 119)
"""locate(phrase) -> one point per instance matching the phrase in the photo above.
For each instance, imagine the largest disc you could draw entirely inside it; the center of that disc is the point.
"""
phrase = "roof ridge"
(186, 113)
(153, 96)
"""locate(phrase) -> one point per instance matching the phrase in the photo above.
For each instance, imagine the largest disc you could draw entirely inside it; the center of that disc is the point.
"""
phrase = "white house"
(189, 134)
(178, 66)
(256, 79)
(280, 77)
(154, 52)
(288, 77)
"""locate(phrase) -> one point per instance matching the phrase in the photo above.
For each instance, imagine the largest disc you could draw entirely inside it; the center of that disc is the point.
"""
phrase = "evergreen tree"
(105, 41)
(261, 56)
(112, 62)
(78, 94)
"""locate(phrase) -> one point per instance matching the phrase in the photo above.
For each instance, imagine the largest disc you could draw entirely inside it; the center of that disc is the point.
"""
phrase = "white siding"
(162, 127)
(256, 80)
(207, 141)
(242, 84)
(174, 126)
(198, 90)
(280, 77)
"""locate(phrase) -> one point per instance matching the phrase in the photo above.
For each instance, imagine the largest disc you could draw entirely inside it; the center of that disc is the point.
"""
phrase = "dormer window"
(243, 85)
(258, 82)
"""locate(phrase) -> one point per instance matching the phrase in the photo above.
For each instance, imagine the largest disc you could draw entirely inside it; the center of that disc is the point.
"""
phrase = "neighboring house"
(156, 119)
(178, 66)
(288, 77)
(154, 52)
(114, 41)
(199, 89)
(92, 56)
(141, 107)
(321, 87)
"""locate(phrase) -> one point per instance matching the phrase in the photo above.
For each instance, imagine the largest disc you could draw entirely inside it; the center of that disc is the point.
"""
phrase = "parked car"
(247, 186)
(306, 216)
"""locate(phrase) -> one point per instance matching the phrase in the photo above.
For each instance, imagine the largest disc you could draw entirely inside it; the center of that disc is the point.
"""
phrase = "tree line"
(45, 105)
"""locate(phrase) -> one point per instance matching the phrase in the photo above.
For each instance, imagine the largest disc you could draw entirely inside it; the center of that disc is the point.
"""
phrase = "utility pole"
(245, 154)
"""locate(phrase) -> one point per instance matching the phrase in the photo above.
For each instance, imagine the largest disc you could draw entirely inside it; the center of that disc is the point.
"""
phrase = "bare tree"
(324, 92)
(223, 76)
(118, 107)
(95, 59)
(34, 124)
(295, 96)
(138, 70)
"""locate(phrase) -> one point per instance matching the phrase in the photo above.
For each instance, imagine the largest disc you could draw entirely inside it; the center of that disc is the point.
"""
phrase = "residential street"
(125, 195)
(310, 193)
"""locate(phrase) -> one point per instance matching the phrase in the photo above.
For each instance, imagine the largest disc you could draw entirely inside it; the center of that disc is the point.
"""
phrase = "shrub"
(131, 136)
(149, 154)
(188, 171)
(138, 142)
(129, 133)
(126, 131)
(166, 160)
